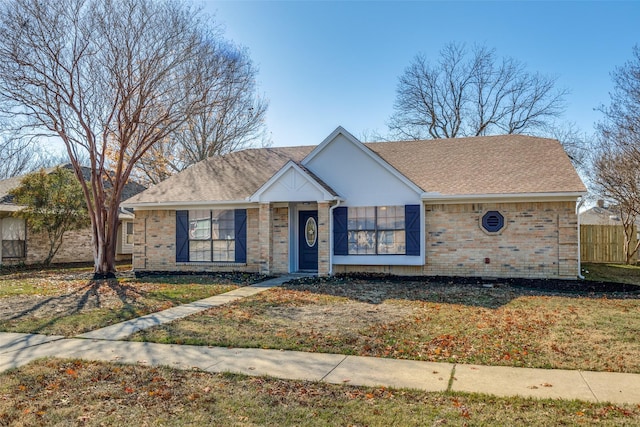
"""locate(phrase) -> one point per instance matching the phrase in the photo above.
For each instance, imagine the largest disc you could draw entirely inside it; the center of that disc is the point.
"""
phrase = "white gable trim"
(383, 163)
(297, 192)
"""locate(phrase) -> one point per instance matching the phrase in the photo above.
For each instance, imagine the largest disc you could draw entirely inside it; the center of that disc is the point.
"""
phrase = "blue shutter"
(340, 234)
(240, 220)
(412, 229)
(182, 236)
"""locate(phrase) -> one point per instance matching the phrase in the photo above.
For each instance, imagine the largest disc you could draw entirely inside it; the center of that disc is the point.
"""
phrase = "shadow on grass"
(94, 305)
(494, 293)
(54, 309)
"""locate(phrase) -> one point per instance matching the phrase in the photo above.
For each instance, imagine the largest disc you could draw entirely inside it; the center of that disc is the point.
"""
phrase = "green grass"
(619, 273)
(75, 392)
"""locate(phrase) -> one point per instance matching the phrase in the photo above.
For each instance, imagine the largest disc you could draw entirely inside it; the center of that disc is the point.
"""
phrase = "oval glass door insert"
(311, 231)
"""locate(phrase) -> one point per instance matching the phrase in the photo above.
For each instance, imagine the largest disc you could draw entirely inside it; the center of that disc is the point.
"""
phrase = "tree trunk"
(629, 234)
(105, 241)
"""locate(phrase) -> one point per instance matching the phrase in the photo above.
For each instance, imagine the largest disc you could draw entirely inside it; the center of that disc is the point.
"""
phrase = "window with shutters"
(212, 235)
(376, 230)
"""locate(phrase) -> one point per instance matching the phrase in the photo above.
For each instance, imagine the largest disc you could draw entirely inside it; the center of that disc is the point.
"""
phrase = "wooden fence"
(603, 243)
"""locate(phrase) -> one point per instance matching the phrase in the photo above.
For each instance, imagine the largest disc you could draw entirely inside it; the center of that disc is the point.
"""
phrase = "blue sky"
(324, 64)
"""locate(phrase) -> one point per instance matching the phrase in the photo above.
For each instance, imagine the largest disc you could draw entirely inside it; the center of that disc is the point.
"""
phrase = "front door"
(308, 240)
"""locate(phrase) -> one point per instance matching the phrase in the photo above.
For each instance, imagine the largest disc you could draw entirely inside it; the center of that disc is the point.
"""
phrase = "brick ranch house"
(498, 206)
(20, 245)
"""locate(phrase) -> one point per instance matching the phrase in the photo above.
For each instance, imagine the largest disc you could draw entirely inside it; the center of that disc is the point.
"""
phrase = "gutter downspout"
(331, 235)
(578, 206)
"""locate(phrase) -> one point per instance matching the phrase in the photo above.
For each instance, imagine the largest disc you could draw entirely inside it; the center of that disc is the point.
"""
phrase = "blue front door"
(308, 240)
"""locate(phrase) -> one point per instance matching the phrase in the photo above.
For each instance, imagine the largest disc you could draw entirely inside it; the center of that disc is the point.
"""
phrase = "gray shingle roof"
(509, 164)
(506, 164)
(233, 177)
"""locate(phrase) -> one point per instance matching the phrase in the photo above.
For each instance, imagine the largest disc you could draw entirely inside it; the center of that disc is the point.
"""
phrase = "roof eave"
(502, 197)
(147, 206)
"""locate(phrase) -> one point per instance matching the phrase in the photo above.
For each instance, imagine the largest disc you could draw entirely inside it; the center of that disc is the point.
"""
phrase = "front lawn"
(66, 302)
(422, 320)
(618, 273)
(75, 392)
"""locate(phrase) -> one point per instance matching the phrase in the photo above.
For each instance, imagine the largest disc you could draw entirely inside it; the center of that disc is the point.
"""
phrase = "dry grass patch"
(75, 392)
(67, 302)
(421, 320)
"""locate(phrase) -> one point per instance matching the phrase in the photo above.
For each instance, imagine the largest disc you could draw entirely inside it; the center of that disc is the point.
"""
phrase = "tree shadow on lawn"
(124, 301)
(96, 294)
(471, 291)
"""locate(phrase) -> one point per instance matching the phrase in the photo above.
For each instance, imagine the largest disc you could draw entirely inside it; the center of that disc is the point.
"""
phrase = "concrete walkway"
(124, 329)
(19, 349)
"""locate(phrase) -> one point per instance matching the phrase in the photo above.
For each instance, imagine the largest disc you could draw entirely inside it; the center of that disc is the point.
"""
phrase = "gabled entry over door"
(308, 240)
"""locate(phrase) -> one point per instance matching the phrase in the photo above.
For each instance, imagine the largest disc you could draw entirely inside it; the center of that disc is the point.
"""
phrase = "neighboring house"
(497, 206)
(19, 245)
(602, 214)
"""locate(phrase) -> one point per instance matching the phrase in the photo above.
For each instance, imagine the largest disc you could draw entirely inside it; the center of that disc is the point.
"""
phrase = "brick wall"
(539, 241)
(76, 247)
(154, 234)
(323, 238)
(280, 240)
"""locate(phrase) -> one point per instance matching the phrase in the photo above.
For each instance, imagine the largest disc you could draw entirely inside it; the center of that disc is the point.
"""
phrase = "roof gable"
(293, 183)
(353, 170)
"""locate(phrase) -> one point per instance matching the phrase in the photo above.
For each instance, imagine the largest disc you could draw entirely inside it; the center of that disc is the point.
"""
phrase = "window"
(128, 233)
(212, 235)
(13, 238)
(493, 221)
(376, 230)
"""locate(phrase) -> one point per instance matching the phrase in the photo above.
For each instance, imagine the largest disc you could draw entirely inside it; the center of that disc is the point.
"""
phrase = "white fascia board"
(340, 130)
(515, 197)
(11, 208)
(217, 204)
(255, 197)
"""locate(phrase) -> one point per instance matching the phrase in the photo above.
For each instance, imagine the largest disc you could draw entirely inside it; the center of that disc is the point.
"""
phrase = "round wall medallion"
(493, 221)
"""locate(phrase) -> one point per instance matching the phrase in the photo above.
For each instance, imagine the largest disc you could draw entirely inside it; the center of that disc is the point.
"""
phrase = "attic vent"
(492, 221)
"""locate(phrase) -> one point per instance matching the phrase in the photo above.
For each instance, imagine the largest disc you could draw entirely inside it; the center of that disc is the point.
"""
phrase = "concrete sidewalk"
(19, 349)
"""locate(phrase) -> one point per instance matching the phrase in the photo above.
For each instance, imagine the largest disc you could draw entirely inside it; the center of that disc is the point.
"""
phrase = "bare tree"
(471, 93)
(621, 124)
(616, 176)
(616, 167)
(233, 120)
(576, 142)
(109, 78)
(16, 157)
